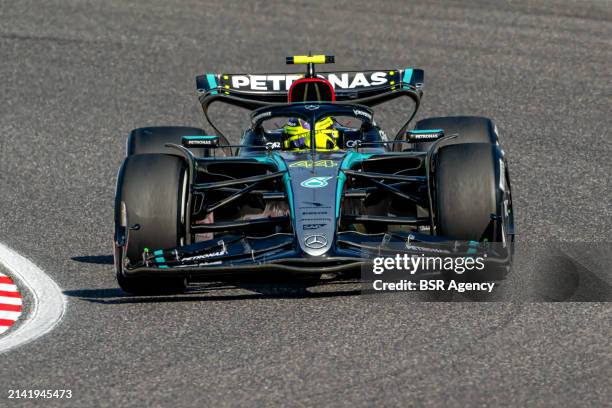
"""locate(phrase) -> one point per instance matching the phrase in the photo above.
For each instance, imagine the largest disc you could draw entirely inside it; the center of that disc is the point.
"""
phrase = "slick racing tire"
(153, 140)
(469, 129)
(467, 191)
(473, 200)
(151, 190)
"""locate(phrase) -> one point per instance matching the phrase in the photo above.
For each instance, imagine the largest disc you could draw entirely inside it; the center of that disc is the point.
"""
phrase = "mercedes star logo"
(315, 241)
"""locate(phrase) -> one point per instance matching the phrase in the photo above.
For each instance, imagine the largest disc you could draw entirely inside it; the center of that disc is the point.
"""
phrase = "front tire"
(473, 200)
(151, 191)
(467, 194)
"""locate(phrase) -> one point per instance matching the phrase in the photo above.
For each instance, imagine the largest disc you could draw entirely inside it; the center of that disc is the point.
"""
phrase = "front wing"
(352, 252)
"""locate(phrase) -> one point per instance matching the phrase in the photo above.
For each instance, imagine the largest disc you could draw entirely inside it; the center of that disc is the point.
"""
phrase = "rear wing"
(255, 90)
(252, 91)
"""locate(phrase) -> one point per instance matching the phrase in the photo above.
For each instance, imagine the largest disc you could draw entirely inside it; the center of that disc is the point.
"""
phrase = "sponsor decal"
(273, 145)
(222, 252)
(205, 256)
(190, 141)
(198, 143)
(315, 220)
(312, 226)
(359, 80)
(352, 143)
(315, 241)
(317, 163)
(359, 112)
(282, 82)
(315, 182)
(314, 203)
(262, 115)
(424, 134)
(311, 107)
(264, 82)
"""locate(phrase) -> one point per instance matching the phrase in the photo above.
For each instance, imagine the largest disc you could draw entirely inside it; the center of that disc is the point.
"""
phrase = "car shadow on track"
(228, 290)
(94, 259)
(571, 274)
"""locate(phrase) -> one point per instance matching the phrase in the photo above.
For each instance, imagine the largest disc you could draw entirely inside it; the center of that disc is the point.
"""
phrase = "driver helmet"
(297, 134)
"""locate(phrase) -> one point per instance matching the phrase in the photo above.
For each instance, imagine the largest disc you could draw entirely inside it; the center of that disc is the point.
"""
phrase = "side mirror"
(200, 141)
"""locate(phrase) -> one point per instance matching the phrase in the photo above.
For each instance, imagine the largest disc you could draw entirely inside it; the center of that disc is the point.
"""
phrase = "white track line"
(10, 300)
(9, 315)
(48, 302)
(7, 287)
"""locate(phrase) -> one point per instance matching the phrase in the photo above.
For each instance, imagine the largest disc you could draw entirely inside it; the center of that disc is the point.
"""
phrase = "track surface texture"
(78, 75)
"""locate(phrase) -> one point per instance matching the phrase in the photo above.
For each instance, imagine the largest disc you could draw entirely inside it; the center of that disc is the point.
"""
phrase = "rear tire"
(152, 189)
(153, 140)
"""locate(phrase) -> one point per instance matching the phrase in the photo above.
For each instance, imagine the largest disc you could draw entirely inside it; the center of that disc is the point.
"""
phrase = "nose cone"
(314, 185)
(315, 244)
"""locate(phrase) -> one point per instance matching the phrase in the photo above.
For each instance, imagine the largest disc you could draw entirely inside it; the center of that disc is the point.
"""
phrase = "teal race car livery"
(314, 185)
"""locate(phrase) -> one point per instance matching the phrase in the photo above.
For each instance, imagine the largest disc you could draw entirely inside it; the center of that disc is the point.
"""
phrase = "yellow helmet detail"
(297, 135)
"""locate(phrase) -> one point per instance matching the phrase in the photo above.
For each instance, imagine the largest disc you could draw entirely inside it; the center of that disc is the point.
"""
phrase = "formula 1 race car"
(314, 186)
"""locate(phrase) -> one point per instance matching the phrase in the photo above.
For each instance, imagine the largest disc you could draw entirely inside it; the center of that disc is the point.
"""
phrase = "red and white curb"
(10, 303)
(46, 304)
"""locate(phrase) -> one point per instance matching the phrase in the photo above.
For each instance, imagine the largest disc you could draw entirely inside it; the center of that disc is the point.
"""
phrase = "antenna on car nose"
(311, 60)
